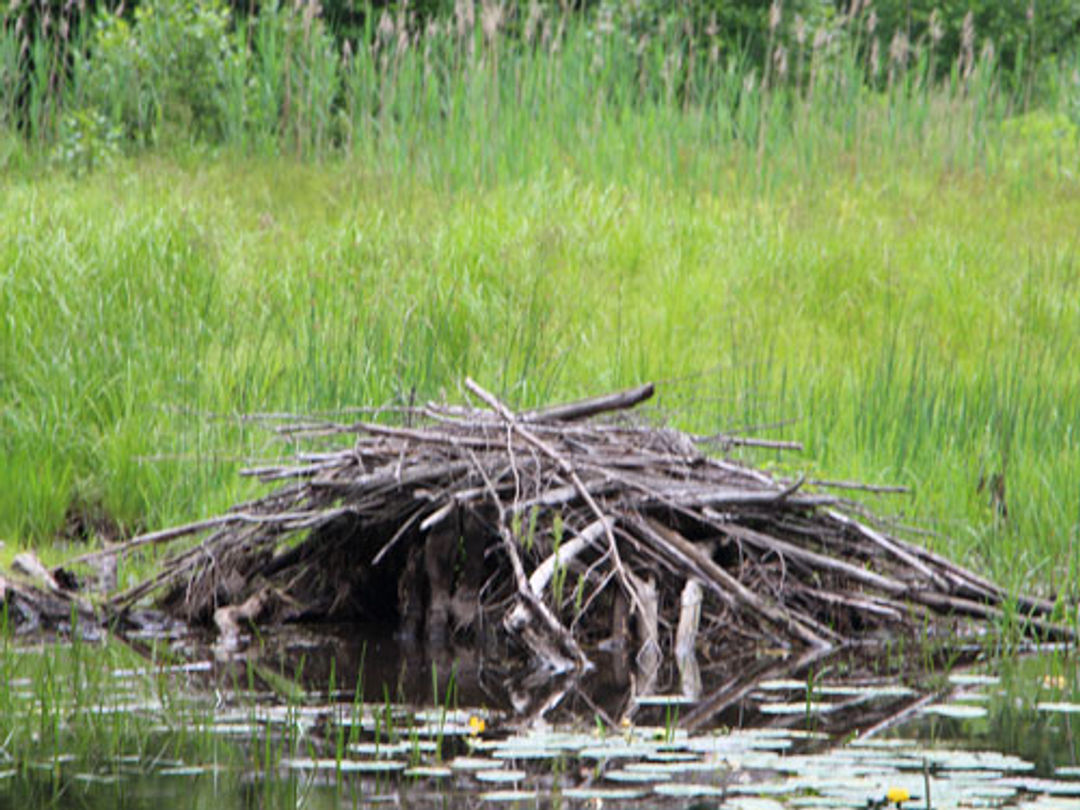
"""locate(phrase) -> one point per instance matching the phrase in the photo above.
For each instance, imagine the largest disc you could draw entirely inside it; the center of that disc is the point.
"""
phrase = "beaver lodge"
(551, 535)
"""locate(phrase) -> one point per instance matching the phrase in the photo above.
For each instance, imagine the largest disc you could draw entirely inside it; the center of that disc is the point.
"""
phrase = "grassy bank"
(918, 324)
(886, 260)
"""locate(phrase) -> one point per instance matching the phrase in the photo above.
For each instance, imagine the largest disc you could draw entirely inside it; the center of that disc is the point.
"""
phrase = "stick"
(723, 583)
(542, 574)
(740, 686)
(855, 485)
(744, 441)
(889, 546)
(516, 620)
(582, 408)
(570, 473)
(909, 709)
(162, 536)
(768, 543)
(943, 603)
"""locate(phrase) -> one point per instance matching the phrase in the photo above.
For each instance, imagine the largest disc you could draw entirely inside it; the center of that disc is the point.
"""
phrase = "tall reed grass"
(494, 91)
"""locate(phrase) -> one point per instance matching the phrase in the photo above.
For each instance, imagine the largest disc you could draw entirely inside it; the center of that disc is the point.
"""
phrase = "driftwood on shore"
(558, 533)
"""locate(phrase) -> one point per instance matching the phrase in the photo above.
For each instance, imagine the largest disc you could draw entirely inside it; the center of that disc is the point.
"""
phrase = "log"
(593, 406)
(568, 551)
(689, 618)
(686, 639)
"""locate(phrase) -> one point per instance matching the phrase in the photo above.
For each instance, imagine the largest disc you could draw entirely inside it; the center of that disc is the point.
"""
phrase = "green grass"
(918, 325)
(894, 271)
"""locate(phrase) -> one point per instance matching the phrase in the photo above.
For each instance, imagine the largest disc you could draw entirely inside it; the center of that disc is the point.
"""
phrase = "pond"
(332, 720)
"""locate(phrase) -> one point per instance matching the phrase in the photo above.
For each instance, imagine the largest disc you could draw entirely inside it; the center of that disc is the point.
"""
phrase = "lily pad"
(509, 796)
(429, 772)
(782, 685)
(955, 710)
(1061, 708)
(752, 803)
(673, 756)
(832, 802)
(1050, 787)
(883, 692)
(684, 790)
(664, 700)
(891, 743)
(627, 751)
(500, 777)
(601, 794)
(236, 729)
(1049, 803)
(186, 770)
(637, 776)
(97, 778)
(775, 788)
(973, 679)
(455, 717)
(373, 765)
(350, 765)
(390, 749)
(975, 761)
(796, 708)
(527, 752)
(673, 768)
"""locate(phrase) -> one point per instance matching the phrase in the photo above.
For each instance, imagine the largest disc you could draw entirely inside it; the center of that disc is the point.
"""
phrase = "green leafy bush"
(87, 141)
(1040, 142)
(168, 70)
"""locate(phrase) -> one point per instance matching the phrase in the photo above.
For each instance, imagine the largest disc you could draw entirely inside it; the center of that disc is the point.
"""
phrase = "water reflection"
(1031, 708)
(736, 691)
(344, 718)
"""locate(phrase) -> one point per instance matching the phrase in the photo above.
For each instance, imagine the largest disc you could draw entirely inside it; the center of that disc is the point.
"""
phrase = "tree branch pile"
(558, 533)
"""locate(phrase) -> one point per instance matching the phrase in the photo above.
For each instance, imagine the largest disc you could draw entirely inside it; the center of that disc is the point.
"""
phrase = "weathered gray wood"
(568, 551)
(723, 583)
(567, 470)
(593, 406)
(689, 618)
(775, 565)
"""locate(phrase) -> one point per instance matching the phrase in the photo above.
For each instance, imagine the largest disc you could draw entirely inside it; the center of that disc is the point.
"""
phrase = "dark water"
(336, 719)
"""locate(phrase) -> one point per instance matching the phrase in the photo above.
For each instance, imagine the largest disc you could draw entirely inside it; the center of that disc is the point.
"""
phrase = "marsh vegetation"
(852, 230)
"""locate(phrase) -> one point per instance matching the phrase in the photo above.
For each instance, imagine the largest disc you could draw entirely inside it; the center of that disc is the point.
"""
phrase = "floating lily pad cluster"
(446, 757)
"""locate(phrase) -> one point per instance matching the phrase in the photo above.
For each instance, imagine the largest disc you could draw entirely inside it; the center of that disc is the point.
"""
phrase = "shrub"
(87, 141)
(169, 69)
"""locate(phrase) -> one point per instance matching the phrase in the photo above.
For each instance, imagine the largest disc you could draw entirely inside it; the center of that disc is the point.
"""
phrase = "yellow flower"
(897, 796)
(476, 725)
